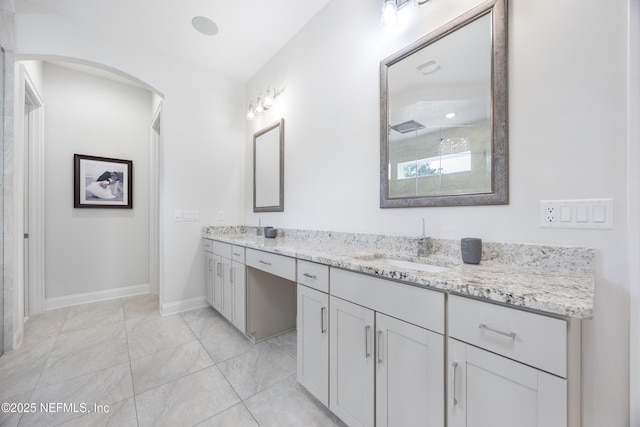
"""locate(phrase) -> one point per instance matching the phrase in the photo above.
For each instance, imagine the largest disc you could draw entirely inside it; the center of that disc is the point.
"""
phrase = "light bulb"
(389, 13)
(251, 114)
(260, 103)
(269, 96)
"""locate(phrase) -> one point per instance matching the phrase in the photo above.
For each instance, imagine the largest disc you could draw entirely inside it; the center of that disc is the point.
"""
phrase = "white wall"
(10, 323)
(202, 153)
(567, 139)
(90, 250)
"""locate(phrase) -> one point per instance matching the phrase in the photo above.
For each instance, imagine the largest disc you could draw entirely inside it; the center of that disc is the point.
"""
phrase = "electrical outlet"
(550, 214)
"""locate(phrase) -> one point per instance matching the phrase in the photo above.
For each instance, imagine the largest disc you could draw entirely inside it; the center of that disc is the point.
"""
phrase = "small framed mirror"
(443, 115)
(268, 168)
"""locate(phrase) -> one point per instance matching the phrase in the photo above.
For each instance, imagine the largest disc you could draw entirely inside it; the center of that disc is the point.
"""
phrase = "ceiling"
(250, 31)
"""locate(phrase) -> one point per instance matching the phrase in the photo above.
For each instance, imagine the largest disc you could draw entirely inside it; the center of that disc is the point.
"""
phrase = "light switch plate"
(596, 214)
(191, 215)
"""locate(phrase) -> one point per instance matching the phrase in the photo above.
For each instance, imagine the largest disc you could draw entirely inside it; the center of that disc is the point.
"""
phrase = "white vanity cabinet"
(225, 278)
(313, 329)
(209, 264)
(509, 367)
(387, 352)
(237, 279)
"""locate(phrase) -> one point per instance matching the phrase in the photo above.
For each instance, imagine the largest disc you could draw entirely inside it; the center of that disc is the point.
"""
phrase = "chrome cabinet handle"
(454, 367)
(232, 275)
(367, 352)
(511, 335)
(210, 265)
(379, 345)
(219, 269)
(264, 262)
(310, 276)
(323, 329)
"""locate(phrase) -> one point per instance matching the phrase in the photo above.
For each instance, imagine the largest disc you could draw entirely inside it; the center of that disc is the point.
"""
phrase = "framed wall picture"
(100, 182)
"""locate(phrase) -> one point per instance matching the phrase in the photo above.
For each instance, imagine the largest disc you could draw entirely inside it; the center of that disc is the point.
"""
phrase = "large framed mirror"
(268, 168)
(443, 115)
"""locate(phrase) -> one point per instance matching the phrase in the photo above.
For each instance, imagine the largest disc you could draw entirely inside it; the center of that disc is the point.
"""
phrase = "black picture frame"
(102, 182)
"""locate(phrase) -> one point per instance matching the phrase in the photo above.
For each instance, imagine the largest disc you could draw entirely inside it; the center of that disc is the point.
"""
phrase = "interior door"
(28, 108)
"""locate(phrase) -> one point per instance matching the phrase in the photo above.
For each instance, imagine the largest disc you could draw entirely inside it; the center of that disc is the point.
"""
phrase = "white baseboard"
(69, 300)
(183, 305)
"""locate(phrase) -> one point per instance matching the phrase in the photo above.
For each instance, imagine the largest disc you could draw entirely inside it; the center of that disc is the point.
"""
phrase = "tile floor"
(181, 370)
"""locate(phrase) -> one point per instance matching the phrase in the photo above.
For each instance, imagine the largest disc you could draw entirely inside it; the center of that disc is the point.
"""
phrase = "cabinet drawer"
(412, 304)
(208, 245)
(278, 265)
(222, 249)
(313, 275)
(237, 253)
(533, 339)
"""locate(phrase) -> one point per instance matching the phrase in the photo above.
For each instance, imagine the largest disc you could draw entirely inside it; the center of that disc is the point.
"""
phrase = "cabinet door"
(490, 390)
(409, 374)
(351, 367)
(313, 342)
(209, 266)
(218, 280)
(227, 290)
(238, 306)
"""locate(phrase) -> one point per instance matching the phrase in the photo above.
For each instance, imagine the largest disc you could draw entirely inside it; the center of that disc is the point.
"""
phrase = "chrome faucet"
(423, 242)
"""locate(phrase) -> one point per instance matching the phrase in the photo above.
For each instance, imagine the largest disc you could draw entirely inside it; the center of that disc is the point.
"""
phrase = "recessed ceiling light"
(450, 115)
(205, 25)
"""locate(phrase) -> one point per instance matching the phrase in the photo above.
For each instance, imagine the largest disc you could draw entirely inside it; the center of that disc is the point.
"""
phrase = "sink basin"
(391, 263)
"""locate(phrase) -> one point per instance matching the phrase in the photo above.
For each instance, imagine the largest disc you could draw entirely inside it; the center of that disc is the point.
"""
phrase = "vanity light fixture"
(390, 10)
(264, 101)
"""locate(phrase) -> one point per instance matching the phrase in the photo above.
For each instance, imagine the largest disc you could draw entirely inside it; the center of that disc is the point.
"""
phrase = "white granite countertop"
(552, 279)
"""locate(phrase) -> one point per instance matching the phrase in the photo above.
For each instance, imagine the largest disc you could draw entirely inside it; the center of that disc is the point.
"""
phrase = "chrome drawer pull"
(367, 352)
(454, 367)
(236, 254)
(264, 262)
(379, 344)
(310, 276)
(323, 329)
(511, 335)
